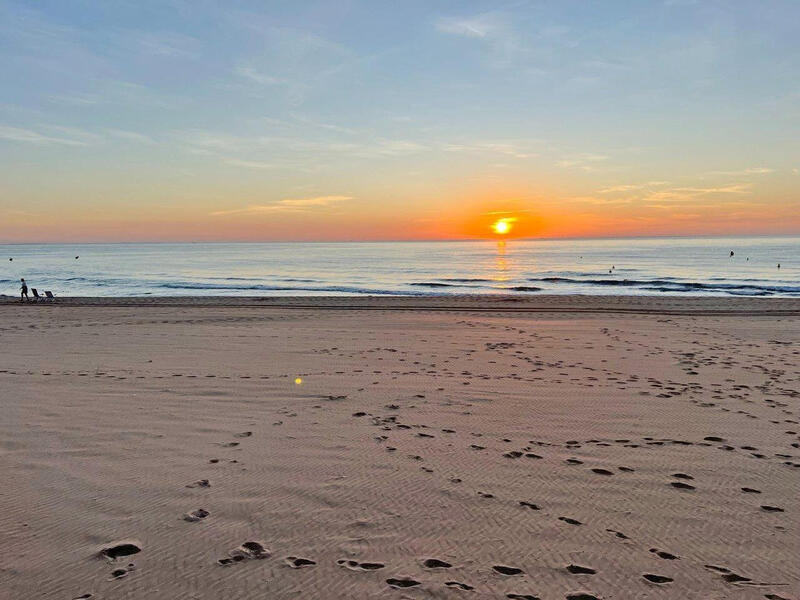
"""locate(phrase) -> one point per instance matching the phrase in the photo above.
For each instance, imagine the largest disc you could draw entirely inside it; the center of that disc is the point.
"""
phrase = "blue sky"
(205, 119)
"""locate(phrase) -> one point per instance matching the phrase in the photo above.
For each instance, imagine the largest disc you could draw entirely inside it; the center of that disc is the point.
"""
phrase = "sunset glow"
(419, 121)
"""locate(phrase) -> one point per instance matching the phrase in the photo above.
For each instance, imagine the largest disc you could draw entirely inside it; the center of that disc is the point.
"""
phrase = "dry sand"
(435, 448)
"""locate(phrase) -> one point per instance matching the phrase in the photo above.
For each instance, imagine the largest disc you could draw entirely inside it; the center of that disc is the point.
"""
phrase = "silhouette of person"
(23, 291)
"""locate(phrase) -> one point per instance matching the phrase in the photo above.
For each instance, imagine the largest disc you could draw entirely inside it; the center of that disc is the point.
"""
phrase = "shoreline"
(568, 303)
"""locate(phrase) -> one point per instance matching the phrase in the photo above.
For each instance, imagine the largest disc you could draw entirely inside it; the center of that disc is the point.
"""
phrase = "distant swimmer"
(779, 265)
(77, 257)
(10, 259)
(731, 253)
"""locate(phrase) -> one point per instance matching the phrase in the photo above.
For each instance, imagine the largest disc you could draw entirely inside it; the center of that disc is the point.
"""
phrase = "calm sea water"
(698, 266)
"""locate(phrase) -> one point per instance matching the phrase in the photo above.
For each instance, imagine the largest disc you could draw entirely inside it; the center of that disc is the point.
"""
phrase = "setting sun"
(503, 226)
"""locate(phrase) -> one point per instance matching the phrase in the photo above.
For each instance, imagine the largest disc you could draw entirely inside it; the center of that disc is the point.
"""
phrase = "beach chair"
(49, 295)
(36, 296)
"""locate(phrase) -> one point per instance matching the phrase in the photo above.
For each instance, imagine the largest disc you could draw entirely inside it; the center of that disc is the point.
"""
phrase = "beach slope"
(400, 448)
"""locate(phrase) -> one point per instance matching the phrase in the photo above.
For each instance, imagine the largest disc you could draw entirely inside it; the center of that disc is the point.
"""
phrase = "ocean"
(651, 266)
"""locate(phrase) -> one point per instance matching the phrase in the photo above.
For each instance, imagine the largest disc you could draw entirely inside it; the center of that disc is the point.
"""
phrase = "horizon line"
(395, 241)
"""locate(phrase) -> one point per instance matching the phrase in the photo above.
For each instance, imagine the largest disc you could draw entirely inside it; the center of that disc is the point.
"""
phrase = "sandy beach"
(547, 447)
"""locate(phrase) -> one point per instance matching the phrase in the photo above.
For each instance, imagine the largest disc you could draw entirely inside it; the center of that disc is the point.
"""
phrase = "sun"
(503, 226)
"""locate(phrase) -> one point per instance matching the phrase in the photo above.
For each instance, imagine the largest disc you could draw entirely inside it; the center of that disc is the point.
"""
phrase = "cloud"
(170, 44)
(582, 161)
(75, 99)
(286, 205)
(499, 147)
(747, 171)
(631, 187)
(480, 26)
(249, 164)
(504, 46)
(255, 76)
(28, 136)
(690, 193)
(130, 136)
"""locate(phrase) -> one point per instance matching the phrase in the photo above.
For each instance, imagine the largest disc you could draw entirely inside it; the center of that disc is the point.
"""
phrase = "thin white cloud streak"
(286, 205)
(130, 136)
(29, 136)
(252, 74)
(747, 171)
(480, 26)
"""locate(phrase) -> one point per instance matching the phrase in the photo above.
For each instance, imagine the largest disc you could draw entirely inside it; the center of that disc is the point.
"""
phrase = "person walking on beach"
(23, 291)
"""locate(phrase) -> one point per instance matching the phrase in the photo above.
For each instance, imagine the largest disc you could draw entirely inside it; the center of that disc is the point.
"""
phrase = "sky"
(172, 120)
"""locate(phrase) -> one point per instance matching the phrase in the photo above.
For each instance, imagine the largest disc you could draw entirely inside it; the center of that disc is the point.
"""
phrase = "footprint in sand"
(579, 570)
(619, 534)
(504, 570)
(354, 565)
(767, 508)
(657, 578)
(485, 495)
(296, 562)
(570, 521)
(530, 505)
(663, 554)
(435, 563)
(120, 573)
(243, 434)
(581, 596)
(573, 461)
(681, 486)
(247, 551)
(459, 585)
(522, 597)
(682, 476)
(202, 483)
(121, 548)
(748, 490)
(196, 515)
(602, 472)
(405, 582)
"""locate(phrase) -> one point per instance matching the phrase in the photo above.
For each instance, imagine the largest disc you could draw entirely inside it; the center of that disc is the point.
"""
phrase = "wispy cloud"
(256, 76)
(130, 136)
(491, 147)
(585, 162)
(631, 187)
(29, 136)
(747, 171)
(494, 30)
(249, 164)
(480, 26)
(286, 205)
(169, 44)
(682, 194)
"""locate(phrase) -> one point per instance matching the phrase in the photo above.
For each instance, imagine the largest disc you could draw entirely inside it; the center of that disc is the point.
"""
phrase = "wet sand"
(541, 447)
